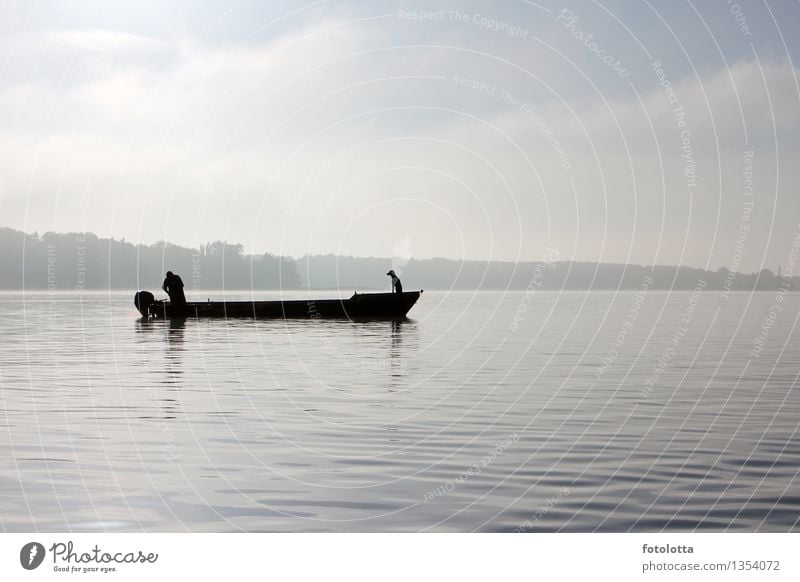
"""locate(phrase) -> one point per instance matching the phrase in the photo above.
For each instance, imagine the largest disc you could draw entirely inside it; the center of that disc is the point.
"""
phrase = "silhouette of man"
(397, 286)
(174, 288)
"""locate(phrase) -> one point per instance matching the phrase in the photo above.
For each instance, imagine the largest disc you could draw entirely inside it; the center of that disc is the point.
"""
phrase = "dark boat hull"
(359, 306)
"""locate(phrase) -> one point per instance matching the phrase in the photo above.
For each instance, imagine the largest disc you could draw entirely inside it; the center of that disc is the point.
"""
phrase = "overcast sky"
(613, 131)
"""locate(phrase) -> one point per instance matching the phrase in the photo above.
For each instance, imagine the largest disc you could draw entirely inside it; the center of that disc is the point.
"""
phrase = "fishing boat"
(359, 306)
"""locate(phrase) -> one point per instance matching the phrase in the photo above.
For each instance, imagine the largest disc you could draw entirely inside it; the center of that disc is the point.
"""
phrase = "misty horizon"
(84, 261)
(389, 258)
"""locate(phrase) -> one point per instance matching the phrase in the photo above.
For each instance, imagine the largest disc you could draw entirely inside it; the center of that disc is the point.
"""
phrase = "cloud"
(158, 129)
(111, 42)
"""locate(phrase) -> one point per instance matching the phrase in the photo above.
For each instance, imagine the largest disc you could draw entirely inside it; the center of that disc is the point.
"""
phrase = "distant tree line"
(83, 261)
(332, 271)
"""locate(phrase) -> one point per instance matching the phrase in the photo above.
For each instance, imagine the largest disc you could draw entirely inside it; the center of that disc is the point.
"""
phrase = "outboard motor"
(143, 300)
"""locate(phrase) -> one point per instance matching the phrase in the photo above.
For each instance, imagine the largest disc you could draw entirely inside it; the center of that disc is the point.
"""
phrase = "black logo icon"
(31, 555)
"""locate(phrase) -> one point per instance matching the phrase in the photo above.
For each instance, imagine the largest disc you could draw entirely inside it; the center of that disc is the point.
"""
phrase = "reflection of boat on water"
(359, 306)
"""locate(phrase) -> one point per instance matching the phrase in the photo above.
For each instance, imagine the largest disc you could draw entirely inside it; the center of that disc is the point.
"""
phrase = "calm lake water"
(485, 411)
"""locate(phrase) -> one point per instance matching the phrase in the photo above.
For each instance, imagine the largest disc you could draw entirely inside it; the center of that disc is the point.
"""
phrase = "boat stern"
(143, 300)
